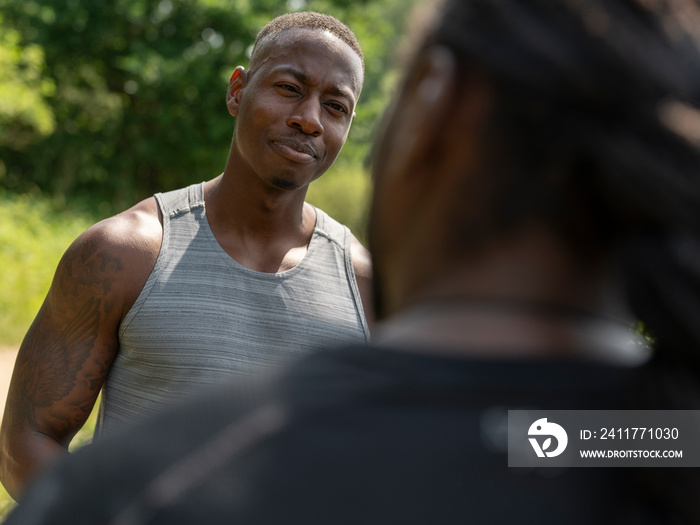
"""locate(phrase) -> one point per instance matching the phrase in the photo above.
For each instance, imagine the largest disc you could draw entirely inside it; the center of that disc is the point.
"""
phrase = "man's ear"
(238, 81)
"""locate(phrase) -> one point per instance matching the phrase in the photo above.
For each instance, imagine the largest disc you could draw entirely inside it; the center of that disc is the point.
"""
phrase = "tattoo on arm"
(50, 375)
(93, 268)
(55, 362)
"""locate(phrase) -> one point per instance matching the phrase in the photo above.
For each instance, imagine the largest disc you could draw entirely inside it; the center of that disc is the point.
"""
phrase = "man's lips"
(295, 151)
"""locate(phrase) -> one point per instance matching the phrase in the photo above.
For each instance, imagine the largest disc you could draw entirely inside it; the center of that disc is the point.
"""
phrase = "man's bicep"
(56, 380)
(68, 350)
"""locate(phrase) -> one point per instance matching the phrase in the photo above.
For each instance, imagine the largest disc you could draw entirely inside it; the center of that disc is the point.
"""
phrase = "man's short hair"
(309, 20)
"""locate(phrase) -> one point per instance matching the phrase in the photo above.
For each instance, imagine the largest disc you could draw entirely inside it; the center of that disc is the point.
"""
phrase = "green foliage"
(24, 113)
(123, 98)
(33, 236)
(139, 94)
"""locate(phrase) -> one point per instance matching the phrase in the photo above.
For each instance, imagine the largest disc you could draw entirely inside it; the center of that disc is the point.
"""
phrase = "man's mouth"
(295, 151)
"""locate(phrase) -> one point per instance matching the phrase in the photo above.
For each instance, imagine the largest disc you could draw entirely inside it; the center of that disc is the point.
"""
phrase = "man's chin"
(284, 184)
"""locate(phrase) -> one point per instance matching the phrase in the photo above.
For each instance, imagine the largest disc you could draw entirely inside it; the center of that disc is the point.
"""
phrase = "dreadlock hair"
(595, 129)
(597, 90)
(308, 20)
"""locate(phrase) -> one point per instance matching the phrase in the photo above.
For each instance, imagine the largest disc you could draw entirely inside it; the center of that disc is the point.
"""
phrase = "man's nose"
(307, 117)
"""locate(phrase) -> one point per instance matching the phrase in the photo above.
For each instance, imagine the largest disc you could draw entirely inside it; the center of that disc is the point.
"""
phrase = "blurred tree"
(121, 98)
(25, 116)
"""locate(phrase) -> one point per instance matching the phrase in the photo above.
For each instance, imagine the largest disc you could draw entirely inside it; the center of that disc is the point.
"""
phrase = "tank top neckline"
(199, 196)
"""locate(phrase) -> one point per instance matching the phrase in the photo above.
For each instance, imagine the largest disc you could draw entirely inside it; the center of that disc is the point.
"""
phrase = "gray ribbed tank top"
(202, 318)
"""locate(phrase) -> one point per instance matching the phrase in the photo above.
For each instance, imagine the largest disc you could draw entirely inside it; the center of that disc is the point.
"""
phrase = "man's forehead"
(295, 35)
(293, 40)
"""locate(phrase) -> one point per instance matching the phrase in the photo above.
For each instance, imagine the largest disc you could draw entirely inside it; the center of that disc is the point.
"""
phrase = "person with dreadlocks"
(209, 283)
(537, 190)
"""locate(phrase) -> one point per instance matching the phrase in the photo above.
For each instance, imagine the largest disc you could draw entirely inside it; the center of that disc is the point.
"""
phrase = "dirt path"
(7, 363)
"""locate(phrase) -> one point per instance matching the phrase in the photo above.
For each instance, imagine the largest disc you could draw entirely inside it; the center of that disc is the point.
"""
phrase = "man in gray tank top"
(208, 283)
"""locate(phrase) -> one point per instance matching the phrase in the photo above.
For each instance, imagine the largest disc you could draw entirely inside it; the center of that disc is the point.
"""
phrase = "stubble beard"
(284, 184)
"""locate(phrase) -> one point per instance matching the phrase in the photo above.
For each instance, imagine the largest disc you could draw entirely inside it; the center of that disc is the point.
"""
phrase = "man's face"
(296, 106)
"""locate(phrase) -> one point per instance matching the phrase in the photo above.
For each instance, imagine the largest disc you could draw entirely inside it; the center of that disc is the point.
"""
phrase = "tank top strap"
(176, 202)
(332, 229)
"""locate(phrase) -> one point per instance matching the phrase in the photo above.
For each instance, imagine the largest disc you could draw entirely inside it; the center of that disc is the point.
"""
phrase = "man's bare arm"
(67, 352)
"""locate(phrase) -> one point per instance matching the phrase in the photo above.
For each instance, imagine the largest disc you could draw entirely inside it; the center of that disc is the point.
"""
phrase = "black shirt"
(362, 436)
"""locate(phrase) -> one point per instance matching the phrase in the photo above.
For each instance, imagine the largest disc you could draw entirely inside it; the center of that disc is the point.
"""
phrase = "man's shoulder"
(126, 244)
(137, 229)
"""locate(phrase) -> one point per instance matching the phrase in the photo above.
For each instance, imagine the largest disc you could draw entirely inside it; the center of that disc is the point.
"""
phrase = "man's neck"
(263, 229)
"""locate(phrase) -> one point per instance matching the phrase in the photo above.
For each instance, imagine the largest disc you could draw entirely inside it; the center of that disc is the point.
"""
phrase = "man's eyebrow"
(305, 79)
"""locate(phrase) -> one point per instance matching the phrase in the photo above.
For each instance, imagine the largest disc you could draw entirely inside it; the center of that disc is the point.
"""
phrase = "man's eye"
(337, 107)
(288, 87)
